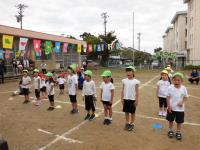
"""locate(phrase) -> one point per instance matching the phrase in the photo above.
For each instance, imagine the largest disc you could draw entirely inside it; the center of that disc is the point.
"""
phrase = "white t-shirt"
(72, 82)
(43, 83)
(106, 90)
(176, 95)
(49, 85)
(61, 81)
(36, 79)
(89, 88)
(163, 85)
(129, 88)
(26, 80)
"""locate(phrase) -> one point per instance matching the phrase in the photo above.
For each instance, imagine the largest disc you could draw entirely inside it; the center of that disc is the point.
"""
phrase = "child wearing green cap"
(130, 97)
(50, 90)
(89, 95)
(37, 86)
(26, 81)
(106, 96)
(72, 82)
(176, 98)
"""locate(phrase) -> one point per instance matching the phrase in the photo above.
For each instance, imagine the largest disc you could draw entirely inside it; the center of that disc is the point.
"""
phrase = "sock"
(110, 119)
(170, 129)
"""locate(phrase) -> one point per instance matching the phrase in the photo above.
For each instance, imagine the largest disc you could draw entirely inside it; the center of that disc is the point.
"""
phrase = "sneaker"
(92, 117)
(131, 127)
(164, 114)
(105, 121)
(109, 122)
(170, 134)
(50, 108)
(178, 136)
(126, 126)
(160, 113)
(76, 111)
(87, 116)
(26, 102)
(72, 111)
(38, 103)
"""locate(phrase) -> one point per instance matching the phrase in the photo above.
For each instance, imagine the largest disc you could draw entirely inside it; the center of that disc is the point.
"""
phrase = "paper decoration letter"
(79, 48)
(57, 47)
(23, 43)
(7, 41)
(65, 46)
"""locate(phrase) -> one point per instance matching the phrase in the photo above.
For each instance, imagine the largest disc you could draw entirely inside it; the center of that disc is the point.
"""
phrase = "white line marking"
(84, 122)
(194, 97)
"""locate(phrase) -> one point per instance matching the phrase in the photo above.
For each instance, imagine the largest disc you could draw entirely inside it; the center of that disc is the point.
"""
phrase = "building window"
(185, 20)
(185, 32)
(185, 44)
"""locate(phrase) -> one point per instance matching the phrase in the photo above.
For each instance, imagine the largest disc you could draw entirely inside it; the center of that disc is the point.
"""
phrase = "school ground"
(27, 127)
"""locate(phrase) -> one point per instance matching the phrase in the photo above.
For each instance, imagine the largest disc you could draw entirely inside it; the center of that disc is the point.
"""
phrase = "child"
(43, 87)
(89, 92)
(55, 77)
(130, 97)
(176, 98)
(162, 85)
(80, 79)
(26, 81)
(50, 90)
(107, 94)
(169, 73)
(61, 81)
(37, 86)
(72, 87)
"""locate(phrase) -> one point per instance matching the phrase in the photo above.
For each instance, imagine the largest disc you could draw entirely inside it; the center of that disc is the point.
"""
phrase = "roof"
(37, 35)
(185, 1)
(167, 30)
(177, 15)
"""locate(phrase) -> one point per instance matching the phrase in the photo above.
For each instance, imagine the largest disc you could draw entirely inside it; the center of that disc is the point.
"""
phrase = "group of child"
(171, 96)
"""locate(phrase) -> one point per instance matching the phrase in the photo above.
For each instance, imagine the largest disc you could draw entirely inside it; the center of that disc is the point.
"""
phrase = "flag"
(48, 47)
(102, 47)
(37, 45)
(79, 48)
(1, 54)
(109, 46)
(7, 41)
(18, 53)
(98, 47)
(94, 47)
(85, 48)
(90, 48)
(65, 46)
(57, 47)
(7, 54)
(23, 43)
(106, 46)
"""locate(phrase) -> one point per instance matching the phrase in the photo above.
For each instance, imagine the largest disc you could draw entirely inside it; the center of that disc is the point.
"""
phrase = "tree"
(157, 49)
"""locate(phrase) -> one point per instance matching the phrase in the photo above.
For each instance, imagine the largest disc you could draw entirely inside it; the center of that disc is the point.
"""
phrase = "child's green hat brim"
(178, 74)
(88, 72)
(36, 71)
(106, 73)
(49, 74)
(25, 70)
(131, 68)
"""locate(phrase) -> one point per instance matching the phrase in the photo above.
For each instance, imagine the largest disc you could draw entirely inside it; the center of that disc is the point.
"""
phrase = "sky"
(74, 17)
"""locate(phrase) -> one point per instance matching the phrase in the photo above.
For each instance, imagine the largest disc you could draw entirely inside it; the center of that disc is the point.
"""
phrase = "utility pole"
(20, 15)
(139, 38)
(133, 36)
(104, 15)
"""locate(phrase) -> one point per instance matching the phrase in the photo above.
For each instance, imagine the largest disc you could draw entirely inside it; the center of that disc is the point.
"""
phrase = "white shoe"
(160, 113)
(164, 114)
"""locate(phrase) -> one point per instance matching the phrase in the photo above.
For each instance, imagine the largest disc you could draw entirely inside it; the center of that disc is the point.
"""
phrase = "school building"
(53, 60)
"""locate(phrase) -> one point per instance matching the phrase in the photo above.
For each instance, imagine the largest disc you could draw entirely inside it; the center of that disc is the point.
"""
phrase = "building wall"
(169, 42)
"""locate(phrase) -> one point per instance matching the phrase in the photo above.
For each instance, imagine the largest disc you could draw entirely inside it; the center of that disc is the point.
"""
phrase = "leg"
(110, 111)
(132, 118)
(127, 118)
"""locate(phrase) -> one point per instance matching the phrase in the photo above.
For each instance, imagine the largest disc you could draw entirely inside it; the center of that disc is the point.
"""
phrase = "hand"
(136, 103)
(83, 98)
(111, 102)
(180, 104)
(169, 109)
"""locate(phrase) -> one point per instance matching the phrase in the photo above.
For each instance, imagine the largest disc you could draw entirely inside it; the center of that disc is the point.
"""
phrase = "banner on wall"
(85, 48)
(109, 46)
(65, 47)
(48, 47)
(98, 47)
(79, 48)
(23, 43)
(7, 54)
(57, 47)
(1, 54)
(37, 47)
(18, 54)
(7, 41)
(94, 47)
(90, 48)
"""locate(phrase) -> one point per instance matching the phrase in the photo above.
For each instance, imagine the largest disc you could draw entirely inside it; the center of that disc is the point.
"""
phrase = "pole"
(139, 34)
(133, 36)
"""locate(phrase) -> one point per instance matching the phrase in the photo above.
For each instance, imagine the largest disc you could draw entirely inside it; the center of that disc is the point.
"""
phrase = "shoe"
(131, 127)
(72, 111)
(170, 134)
(178, 136)
(160, 113)
(87, 116)
(76, 111)
(109, 122)
(38, 103)
(26, 102)
(105, 122)
(126, 126)
(50, 108)
(164, 114)
(92, 117)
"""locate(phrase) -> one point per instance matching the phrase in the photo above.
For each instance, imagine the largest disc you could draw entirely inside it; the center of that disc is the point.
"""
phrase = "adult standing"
(2, 70)
(26, 63)
(43, 67)
(194, 76)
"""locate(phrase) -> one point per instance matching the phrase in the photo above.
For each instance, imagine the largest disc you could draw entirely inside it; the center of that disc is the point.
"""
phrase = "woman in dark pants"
(194, 77)
(2, 70)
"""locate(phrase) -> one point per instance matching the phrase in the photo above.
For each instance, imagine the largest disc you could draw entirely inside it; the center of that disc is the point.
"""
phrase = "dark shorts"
(175, 115)
(72, 98)
(51, 98)
(162, 102)
(37, 93)
(89, 103)
(43, 89)
(129, 106)
(25, 91)
(107, 103)
(61, 86)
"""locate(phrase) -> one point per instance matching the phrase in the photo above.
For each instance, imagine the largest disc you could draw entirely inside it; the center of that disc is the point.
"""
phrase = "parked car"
(155, 64)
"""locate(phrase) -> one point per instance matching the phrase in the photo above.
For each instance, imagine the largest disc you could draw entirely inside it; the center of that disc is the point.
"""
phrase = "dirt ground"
(27, 127)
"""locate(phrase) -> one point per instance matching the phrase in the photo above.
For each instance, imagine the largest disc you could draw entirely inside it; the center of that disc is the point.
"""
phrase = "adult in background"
(2, 70)
(194, 77)
(43, 67)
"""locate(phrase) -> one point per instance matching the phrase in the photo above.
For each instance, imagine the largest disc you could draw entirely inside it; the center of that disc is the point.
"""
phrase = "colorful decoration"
(94, 47)
(48, 47)
(7, 54)
(57, 47)
(79, 48)
(23, 43)
(1, 54)
(65, 46)
(17, 54)
(90, 48)
(7, 41)
(85, 48)
(37, 45)
(98, 47)
(109, 46)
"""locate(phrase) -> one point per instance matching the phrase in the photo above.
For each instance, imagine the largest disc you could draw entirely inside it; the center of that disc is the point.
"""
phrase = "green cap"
(73, 67)
(131, 67)
(49, 74)
(106, 73)
(36, 71)
(179, 74)
(88, 72)
(25, 70)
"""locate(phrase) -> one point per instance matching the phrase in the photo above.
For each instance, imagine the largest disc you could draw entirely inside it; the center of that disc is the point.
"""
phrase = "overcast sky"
(73, 17)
